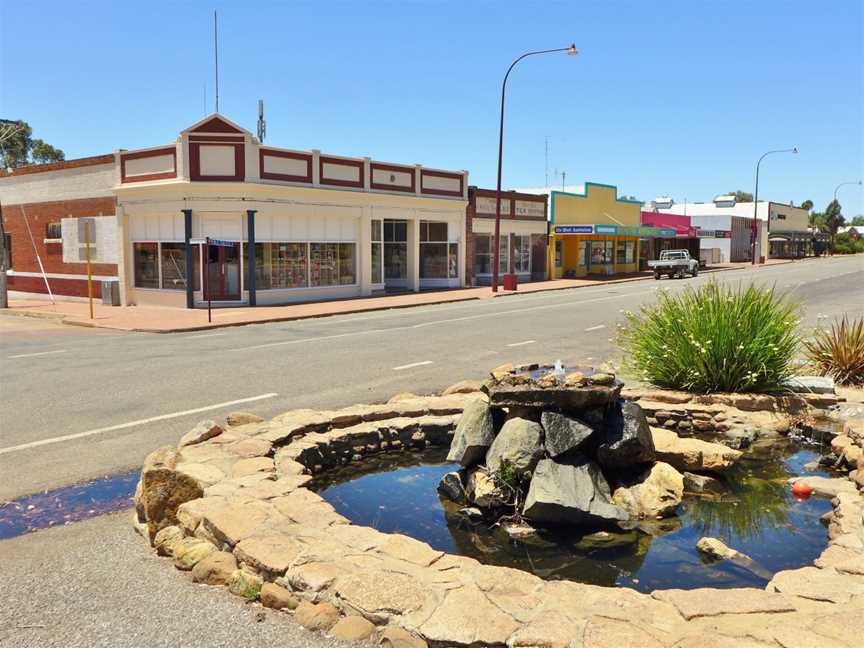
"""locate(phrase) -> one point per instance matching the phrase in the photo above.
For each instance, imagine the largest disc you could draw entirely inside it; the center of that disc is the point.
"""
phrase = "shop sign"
(706, 233)
(635, 230)
(574, 229)
(486, 205)
(530, 209)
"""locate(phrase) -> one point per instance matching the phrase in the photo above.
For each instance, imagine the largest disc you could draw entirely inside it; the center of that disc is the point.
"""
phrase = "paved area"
(92, 585)
(169, 320)
(82, 403)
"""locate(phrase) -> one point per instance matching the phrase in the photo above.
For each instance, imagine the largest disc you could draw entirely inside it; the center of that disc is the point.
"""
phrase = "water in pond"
(758, 516)
(68, 504)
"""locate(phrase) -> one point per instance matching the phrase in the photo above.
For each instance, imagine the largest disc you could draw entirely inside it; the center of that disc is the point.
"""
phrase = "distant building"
(725, 228)
(683, 238)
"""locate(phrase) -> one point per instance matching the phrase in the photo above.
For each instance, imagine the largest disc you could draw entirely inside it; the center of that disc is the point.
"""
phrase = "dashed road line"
(33, 355)
(523, 343)
(413, 364)
(595, 328)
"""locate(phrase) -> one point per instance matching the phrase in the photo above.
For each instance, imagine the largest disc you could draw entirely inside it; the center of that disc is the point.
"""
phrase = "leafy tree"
(17, 146)
(858, 221)
(741, 196)
(43, 153)
(817, 220)
(807, 204)
(833, 219)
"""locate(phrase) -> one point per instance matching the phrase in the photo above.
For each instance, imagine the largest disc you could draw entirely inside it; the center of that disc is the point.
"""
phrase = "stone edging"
(231, 507)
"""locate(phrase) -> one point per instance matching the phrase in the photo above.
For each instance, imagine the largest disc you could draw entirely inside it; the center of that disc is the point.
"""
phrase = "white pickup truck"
(674, 263)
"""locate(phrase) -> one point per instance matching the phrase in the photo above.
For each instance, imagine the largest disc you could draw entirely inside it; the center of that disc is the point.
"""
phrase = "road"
(81, 403)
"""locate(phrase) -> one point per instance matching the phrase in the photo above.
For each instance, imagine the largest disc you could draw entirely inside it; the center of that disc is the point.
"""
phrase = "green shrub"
(845, 244)
(713, 338)
(839, 352)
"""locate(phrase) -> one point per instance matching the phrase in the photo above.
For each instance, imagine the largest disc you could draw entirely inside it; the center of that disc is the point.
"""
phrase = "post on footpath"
(207, 278)
(89, 266)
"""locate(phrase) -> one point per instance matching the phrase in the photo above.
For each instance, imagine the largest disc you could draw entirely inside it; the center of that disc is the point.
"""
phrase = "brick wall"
(23, 253)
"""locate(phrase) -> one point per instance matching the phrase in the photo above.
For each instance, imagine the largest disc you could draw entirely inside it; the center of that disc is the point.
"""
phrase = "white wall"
(63, 184)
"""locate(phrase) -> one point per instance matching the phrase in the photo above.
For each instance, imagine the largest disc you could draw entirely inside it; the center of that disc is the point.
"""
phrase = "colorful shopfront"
(685, 236)
(595, 232)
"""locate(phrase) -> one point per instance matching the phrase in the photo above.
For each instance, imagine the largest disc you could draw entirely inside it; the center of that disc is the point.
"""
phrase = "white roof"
(717, 209)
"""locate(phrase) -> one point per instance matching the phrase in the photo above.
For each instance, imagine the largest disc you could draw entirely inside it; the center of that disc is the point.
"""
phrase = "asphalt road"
(81, 403)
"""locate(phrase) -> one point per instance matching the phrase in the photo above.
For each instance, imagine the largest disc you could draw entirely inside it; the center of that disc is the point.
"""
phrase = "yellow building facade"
(594, 233)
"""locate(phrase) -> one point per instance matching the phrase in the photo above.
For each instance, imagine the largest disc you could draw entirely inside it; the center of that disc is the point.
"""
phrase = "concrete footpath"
(150, 319)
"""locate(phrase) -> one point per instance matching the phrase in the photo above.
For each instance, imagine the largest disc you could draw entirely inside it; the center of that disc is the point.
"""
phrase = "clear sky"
(672, 98)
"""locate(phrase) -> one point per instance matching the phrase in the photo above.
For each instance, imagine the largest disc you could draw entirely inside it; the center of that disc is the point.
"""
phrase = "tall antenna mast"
(216, 52)
(262, 125)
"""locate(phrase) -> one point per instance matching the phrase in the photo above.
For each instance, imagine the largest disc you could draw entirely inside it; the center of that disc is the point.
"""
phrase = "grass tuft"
(713, 338)
(839, 352)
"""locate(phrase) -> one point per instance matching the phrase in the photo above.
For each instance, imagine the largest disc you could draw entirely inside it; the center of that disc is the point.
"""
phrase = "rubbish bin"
(111, 292)
(510, 282)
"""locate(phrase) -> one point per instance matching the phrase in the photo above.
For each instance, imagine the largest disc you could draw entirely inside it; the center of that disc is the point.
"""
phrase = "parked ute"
(674, 263)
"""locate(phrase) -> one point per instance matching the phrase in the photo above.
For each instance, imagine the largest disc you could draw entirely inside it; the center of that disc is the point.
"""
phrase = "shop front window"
(323, 264)
(173, 259)
(146, 262)
(434, 251)
(395, 250)
(347, 264)
(522, 253)
(601, 252)
(559, 253)
(626, 252)
(453, 260)
(483, 253)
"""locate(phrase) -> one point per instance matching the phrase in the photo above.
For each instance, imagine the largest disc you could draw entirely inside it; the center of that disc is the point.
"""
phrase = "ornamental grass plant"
(713, 338)
(839, 351)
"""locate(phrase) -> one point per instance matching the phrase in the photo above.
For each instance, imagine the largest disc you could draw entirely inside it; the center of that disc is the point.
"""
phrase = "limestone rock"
(272, 553)
(467, 617)
(601, 379)
(827, 486)
(473, 435)
(692, 454)
(394, 637)
(353, 628)
(205, 474)
(709, 601)
(248, 448)
(563, 433)
(483, 491)
(602, 632)
(201, 432)
(215, 569)
(563, 398)
(817, 585)
(236, 419)
(717, 549)
(694, 483)
(658, 493)
(401, 396)
(451, 487)
(278, 598)
(810, 385)
(463, 387)
(166, 539)
(570, 493)
(628, 438)
(190, 551)
(252, 465)
(163, 489)
(245, 584)
(232, 523)
(518, 444)
(316, 616)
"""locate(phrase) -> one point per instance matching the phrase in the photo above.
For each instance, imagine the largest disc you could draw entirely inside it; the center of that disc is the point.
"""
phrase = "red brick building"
(523, 232)
(43, 208)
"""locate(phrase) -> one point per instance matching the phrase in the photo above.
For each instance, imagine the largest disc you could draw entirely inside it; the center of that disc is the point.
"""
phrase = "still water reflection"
(757, 516)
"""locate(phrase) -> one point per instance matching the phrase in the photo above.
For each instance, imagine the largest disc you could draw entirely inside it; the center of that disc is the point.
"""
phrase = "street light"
(572, 51)
(843, 184)
(755, 229)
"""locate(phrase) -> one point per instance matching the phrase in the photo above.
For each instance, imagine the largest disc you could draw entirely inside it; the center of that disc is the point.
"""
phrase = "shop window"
(626, 252)
(172, 256)
(278, 265)
(559, 253)
(53, 231)
(434, 232)
(377, 253)
(395, 231)
(7, 244)
(504, 255)
(347, 264)
(434, 251)
(483, 253)
(522, 253)
(453, 261)
(332, 264)
(146, 263)
(601, 252)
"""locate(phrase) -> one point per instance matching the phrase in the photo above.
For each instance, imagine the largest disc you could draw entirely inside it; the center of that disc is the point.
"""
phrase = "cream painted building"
(190, 215)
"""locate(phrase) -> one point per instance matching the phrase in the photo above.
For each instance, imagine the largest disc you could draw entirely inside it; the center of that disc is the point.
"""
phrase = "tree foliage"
(18, 147)
(858, 221)
(807, 204)
(741, 196)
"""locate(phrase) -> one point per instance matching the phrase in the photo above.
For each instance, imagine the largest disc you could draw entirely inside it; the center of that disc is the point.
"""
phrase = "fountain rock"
(451, 487)
(483, 491)
(563, 433)
(628, 438)
(560, 397)
(519, 444)
(694, 483)
(572, 492)
(718, 550)
(658, 493)
(692, 454)
(473, 435)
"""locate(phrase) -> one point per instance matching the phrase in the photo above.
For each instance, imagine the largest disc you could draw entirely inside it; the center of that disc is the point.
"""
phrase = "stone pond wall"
(229, 506)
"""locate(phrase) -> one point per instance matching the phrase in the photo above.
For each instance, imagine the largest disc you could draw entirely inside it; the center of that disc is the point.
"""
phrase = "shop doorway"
(395, 255)
(222, 272)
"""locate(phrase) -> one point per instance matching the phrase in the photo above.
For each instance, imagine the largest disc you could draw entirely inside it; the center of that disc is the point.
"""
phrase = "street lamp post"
(755, 228)
(843, 184)
(570, 50)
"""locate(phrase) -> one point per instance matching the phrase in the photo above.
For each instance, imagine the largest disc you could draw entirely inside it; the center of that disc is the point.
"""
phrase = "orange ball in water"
(801, 489)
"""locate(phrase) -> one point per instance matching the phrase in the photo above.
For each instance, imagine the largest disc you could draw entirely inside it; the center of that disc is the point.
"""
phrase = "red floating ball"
(801, 489)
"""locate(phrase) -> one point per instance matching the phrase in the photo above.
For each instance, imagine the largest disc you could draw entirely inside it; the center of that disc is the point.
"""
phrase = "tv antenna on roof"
(216, 56)
(262, 125)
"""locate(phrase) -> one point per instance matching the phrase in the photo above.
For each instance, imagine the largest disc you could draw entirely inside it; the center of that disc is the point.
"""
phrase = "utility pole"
(563, 181)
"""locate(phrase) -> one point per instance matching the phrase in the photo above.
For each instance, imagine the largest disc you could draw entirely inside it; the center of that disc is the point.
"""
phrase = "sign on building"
(486, 205)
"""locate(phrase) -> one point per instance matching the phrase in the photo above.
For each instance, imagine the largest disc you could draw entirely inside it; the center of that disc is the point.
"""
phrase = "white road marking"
(516, 344)
(595, 328)
(33, 355)
(205, 335)
(413, 364)
(123, 426)
(267, 345)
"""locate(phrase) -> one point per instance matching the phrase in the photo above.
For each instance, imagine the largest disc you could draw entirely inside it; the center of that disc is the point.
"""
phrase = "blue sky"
(674, 98)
